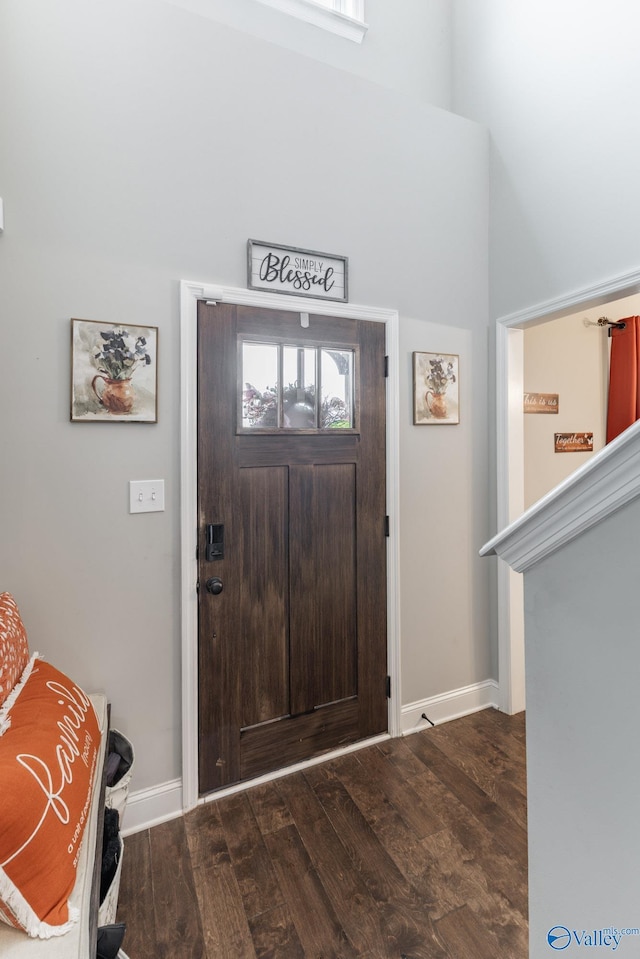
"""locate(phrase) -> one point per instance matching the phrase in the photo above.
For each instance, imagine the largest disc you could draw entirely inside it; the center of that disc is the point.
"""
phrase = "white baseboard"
(149, 807)
(447, 706)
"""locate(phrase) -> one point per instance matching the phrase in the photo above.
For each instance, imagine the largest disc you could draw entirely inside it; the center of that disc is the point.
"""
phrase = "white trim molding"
(451, 705)
(157, 804)
(350, 27)
(150, 807)
(190, 294)
(597, 489)
(614, 288)
(290, 770)
(509, 442)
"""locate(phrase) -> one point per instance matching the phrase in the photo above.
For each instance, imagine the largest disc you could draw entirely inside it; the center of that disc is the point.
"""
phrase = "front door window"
(286, 386)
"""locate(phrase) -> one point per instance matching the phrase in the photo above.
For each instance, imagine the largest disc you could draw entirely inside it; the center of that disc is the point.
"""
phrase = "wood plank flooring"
(412, 849)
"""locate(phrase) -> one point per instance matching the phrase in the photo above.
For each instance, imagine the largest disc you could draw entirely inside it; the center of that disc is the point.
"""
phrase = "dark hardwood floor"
(413, 848)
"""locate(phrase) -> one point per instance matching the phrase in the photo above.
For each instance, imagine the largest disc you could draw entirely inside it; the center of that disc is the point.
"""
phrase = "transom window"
(350, 8)
(295, 387)
(344, 17)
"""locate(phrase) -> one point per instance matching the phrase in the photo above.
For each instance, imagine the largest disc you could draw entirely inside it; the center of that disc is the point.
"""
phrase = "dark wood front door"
(292, 550)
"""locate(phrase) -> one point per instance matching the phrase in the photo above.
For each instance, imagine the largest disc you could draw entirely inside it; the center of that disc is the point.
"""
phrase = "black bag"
(110, 851)
(109, 940)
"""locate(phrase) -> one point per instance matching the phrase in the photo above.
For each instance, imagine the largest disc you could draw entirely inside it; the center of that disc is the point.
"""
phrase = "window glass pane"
(343, 17)
(336, 376)
(259, 379)
(299, 388)
(352, 8)
(310, 377)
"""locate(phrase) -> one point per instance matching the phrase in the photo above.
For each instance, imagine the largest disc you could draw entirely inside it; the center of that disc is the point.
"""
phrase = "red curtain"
(624, 379)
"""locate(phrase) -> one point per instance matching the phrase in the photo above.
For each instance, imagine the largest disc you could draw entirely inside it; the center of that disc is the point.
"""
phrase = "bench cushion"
(49, 741)
(14, 647)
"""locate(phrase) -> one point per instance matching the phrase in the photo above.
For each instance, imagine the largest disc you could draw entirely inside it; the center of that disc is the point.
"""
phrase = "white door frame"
(190, 293)
(510, 463)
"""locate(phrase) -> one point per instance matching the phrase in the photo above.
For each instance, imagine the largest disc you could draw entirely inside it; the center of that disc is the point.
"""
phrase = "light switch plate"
(146, 496)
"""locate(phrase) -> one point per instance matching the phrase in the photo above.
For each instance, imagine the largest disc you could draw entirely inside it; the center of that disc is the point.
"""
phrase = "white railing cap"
(602, 485)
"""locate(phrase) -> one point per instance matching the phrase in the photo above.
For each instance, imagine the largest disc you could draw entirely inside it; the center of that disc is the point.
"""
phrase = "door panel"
(292, 652)
(323, 585)
(262, 606)
(310, 734)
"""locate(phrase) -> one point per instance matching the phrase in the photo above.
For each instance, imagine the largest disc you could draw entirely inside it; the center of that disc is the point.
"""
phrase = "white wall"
(142, 145)
(578, 551)
(556, 83)
(582, 607)
(407, 47)
(570, 358)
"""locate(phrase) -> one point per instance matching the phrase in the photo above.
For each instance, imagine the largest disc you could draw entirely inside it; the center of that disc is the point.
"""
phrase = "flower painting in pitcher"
(436, 389)
(113, 372)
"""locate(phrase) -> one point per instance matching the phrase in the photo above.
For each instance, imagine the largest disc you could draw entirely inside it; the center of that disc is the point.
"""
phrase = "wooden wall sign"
(288, 269)
(541, 402)
(573, 442)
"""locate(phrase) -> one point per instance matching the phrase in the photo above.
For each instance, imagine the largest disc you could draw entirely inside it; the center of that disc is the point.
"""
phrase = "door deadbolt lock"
(214, 585)
(214, 548)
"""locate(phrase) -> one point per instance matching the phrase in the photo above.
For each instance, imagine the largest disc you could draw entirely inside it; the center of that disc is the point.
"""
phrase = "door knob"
(214, 585)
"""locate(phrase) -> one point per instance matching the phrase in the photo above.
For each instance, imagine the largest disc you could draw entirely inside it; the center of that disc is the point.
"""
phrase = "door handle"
(214, 585)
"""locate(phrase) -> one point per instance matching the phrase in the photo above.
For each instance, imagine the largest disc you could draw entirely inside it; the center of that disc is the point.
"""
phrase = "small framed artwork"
(436, 389)
(114, 372)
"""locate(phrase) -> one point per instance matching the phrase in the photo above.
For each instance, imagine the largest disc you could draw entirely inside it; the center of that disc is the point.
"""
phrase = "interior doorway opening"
(617, 297)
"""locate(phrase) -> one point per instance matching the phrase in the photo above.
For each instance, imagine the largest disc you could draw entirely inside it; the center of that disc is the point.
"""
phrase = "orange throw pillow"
(14, 648)
(49, 740)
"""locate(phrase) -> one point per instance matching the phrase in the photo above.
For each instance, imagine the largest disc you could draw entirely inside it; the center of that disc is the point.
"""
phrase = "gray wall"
(407, 47)
(582, 609)
(141, 145)
(556, 83)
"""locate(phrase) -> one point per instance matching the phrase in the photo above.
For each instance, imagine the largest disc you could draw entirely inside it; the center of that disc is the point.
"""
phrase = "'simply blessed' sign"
(287, 269)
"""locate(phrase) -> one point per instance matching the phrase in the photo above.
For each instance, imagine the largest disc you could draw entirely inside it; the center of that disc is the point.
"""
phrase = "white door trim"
(190, 293)
(510, 462)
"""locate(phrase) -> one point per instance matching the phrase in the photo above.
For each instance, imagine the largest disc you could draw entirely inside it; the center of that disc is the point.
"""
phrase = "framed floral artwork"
(114, 372)
(436, 389)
